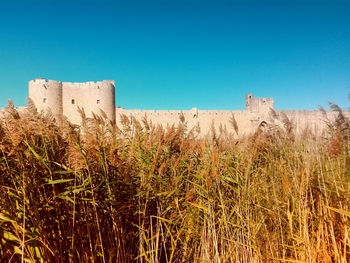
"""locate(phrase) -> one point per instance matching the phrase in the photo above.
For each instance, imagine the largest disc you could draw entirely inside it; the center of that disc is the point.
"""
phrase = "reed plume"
(144, 193)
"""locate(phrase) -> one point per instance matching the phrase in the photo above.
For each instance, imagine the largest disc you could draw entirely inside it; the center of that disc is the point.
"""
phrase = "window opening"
(73, 101)
(98, 101)
(44, 100)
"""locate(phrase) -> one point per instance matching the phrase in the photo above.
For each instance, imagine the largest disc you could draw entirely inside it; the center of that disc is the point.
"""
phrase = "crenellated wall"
(65, 98)
(205, 119)
(313, 121)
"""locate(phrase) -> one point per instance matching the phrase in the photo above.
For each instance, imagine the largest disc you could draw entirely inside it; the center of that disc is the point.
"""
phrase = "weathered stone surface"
(65, 98)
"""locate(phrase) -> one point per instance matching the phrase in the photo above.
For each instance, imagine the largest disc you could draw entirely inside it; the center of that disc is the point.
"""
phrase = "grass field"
(140, 193)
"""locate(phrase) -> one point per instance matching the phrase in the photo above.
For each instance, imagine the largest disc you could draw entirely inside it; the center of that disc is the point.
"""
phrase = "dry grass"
(141, 193)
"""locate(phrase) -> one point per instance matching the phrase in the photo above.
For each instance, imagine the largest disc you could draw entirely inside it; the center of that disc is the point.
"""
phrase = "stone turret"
(93, 97)
(46, 95)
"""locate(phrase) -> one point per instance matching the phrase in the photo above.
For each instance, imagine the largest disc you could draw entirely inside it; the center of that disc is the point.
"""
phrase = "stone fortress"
(65, 98)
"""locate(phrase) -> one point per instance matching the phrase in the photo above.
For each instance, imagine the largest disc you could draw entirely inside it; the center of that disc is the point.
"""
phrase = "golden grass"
(142, 193)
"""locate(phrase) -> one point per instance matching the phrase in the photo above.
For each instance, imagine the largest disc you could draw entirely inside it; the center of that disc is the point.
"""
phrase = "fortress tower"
(46, 94)
(65, 97)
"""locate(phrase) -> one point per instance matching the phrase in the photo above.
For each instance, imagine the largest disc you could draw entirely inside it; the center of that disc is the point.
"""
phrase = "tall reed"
(143, 193)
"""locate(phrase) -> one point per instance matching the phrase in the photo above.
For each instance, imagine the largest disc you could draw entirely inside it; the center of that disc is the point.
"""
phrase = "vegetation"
(140, 193)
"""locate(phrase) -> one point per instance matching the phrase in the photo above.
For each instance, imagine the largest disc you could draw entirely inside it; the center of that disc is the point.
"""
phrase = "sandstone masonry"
(65, 97)
(94, 97)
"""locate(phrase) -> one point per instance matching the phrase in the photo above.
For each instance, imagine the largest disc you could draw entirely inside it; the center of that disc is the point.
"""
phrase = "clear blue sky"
(181, 54)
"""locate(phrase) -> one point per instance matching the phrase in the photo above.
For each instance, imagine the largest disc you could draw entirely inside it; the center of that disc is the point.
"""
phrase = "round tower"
(105, 99)
(90, 96)
(46, 95)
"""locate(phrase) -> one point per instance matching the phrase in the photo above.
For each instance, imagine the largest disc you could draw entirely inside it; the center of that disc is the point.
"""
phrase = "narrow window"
(98, 101)
(73, 101)
(44, 100)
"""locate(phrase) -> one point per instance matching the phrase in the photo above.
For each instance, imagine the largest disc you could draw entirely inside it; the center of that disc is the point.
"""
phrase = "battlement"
(91, 84)
(43, 81)
(64, 98)
(38, 80)
(192, 112)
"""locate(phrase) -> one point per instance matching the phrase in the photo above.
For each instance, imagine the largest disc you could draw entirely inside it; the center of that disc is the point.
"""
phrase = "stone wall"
(65, 98)
(313, 121)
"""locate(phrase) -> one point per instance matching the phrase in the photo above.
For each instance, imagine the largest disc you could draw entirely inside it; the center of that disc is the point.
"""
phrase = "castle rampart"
(313, 121)
(65, 98)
